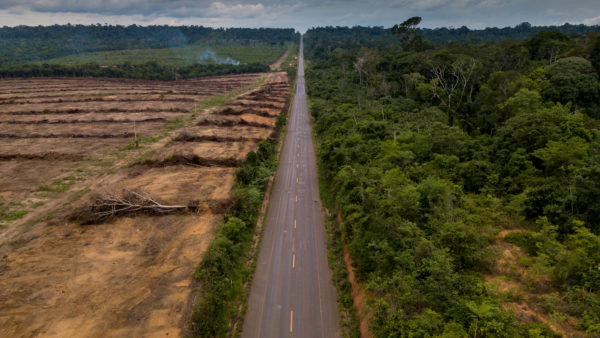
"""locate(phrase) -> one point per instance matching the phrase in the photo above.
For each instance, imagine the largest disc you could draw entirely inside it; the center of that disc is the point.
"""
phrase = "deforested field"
(69, 145)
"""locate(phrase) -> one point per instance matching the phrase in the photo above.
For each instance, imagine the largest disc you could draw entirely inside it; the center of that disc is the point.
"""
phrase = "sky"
(300, 15)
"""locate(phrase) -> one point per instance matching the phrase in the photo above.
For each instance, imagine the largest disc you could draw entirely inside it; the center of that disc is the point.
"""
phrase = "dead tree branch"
(130, 203)
(455, 83)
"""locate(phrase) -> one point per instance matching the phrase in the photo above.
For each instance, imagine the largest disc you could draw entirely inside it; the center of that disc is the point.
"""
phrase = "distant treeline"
(369, 36)
(146, 71)
(24, 43)
(523, 31)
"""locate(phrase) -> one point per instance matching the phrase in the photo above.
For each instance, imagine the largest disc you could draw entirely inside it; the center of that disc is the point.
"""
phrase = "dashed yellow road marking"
(294, 224)
(294, 261)
(296, 179)
(291, 321)
(296, 198)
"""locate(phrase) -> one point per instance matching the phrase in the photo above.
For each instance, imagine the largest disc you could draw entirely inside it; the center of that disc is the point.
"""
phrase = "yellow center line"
(291, 321)
(296, 198)
(294, 261)
(296, 179)
(294, 224)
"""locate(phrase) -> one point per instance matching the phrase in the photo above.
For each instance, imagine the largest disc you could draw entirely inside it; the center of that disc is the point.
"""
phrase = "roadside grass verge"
(13, 215)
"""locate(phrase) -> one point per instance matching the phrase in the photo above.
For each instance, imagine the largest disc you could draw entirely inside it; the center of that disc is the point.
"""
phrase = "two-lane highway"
(292, 294)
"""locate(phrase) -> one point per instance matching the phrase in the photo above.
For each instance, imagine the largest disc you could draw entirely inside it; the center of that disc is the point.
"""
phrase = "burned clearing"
(68, 143)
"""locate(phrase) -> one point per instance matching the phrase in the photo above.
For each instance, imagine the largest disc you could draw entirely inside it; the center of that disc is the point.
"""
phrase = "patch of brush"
(193, 160)
(86, 111)
(50, 156)
(231, 123)
(185, 137)
(46, 121)
(232, 111)
(100, 136)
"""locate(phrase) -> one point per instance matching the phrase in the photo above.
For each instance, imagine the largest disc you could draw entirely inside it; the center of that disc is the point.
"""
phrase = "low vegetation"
(148, 71)
(467, 178)
(223, 270)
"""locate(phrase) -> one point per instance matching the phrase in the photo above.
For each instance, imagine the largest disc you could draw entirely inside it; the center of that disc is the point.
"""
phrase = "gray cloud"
(300, 14)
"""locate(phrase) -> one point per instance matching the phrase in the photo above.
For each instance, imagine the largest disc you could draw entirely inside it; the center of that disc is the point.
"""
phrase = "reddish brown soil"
(358, 293)
(129, 276)
(512, 277)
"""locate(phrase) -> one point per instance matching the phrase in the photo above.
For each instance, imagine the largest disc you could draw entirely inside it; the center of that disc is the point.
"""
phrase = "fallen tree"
(129, 203)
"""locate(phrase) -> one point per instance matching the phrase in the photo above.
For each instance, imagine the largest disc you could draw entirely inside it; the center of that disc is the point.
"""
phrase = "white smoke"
(209, 56)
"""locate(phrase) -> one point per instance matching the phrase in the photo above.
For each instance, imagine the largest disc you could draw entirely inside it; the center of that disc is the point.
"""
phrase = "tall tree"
(455, 82)
(408, 33)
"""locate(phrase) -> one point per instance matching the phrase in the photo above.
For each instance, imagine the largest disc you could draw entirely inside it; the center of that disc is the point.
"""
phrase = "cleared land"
(66, 141)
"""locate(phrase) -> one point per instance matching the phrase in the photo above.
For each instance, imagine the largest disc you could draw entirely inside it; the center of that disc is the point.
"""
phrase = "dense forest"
(383, 36)
(37, 43)
(147, 71)
(466, 175)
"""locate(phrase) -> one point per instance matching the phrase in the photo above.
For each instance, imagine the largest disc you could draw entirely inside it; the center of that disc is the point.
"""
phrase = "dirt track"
(130, 276)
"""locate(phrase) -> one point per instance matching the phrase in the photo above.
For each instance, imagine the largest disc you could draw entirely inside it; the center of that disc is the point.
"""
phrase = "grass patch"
(524, 240)
(142, 158)
(175, 123)
(254, 52)
(36, 204)
(217, 100)
(140, 140)
(98, 162)
(12, 216)
(60, 185)
(78, 195)
(30, 223)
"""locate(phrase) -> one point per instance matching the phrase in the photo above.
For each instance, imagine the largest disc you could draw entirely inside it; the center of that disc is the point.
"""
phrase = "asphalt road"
(292, 294)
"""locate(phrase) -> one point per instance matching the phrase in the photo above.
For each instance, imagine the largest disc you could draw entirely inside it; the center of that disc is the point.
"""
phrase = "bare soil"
(277, 64)
(510, 276)
(55, 148)
(358, 293)
(130, 276)
(82, 130)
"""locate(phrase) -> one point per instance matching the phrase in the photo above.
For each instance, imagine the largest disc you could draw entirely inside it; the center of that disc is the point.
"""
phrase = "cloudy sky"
(299, 14)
